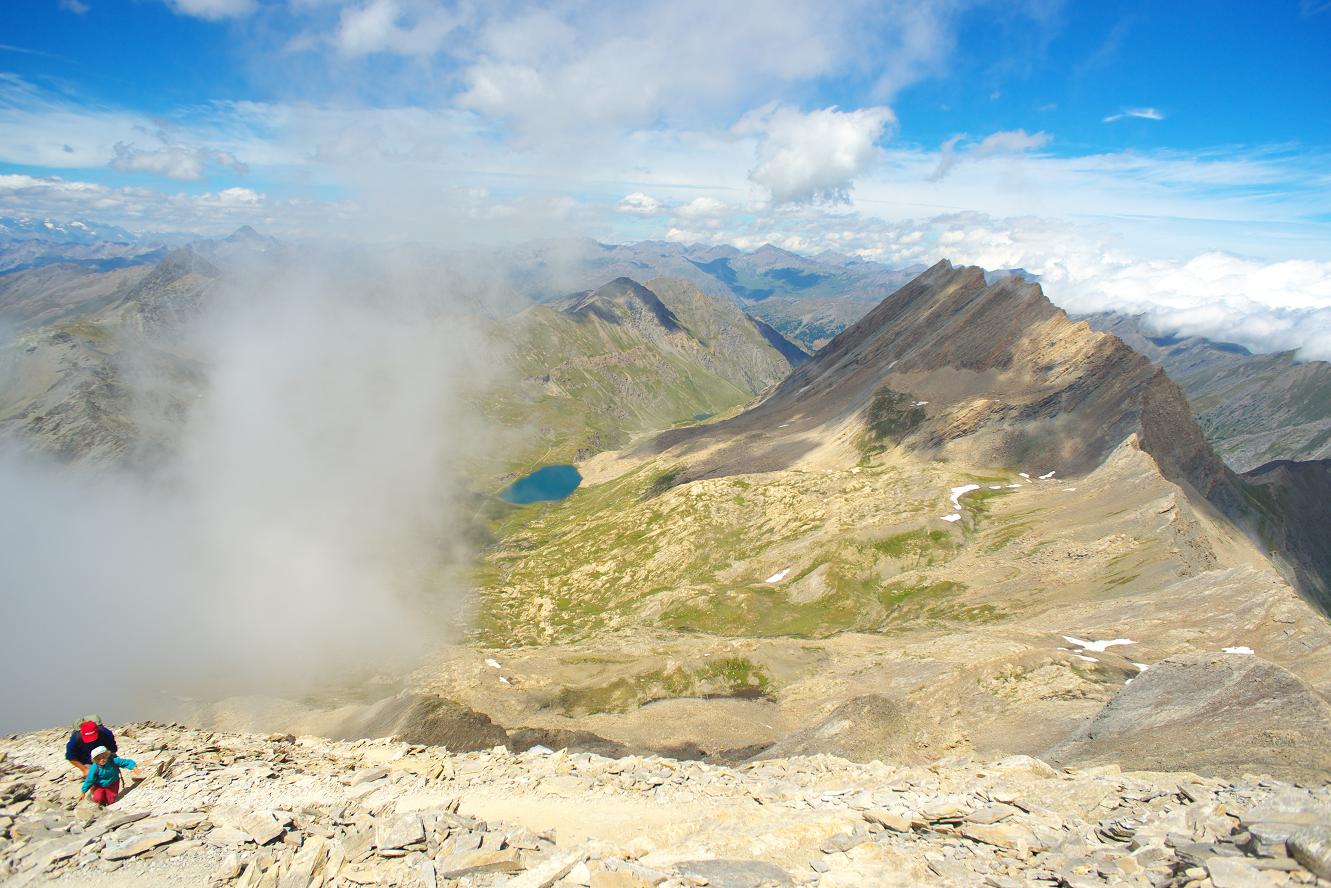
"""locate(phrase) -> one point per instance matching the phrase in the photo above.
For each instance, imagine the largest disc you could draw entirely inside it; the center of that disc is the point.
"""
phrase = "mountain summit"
(990, 374)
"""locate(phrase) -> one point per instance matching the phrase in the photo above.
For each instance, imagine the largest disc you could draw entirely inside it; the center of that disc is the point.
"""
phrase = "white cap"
(99, 750)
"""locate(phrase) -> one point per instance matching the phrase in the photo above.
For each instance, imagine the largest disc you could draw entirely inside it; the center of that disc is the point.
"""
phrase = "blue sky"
(1110, 146)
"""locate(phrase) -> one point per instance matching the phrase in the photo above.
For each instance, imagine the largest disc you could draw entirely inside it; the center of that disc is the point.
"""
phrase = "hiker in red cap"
(89, 734)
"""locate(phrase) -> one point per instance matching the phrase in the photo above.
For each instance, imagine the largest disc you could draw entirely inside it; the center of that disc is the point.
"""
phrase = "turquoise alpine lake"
(546, 483)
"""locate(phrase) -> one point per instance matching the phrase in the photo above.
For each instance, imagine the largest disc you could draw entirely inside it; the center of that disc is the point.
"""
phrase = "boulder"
(1220, 715)
(1311, 847)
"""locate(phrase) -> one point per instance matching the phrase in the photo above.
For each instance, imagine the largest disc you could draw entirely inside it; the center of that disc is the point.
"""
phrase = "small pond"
(546, 483)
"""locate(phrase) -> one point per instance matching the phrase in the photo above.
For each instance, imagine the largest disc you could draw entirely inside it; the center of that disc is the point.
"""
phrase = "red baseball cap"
(88, 731)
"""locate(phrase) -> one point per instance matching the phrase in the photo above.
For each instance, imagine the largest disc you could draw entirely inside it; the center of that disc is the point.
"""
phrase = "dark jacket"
(78, 751)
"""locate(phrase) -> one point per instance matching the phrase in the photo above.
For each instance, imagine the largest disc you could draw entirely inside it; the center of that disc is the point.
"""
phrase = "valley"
(966, 529)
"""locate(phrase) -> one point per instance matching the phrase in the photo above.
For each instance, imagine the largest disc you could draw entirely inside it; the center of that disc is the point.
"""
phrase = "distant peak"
(244, 232)
(609, 301)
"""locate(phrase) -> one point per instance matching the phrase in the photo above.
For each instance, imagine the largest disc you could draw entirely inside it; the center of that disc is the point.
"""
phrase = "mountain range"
(966, 501)
(993, 515)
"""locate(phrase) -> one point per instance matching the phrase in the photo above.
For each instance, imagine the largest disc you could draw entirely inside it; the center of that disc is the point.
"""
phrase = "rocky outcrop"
(1225, 714)
(277, 811)
(859, 730)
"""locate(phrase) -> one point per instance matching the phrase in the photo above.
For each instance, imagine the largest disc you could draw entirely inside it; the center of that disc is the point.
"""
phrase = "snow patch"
(1070, 489)
(504, 679)
(778, 576)
(959, 492)
(1046, 476)
(1024, 475)
(1098, 646)
(919, 403)
(953, 517)
(1141, 667)
(1086, 658)
(1239, 649)
(492, 663)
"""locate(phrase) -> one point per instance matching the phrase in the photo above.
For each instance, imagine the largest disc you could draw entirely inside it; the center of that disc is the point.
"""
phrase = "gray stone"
(109, 822)
(465, 863)
(368, 775)
(1234, 872)
(400, 832)
(547, 872)
(839, 842)
(735, 873)
(137, 844)
(1311, 847)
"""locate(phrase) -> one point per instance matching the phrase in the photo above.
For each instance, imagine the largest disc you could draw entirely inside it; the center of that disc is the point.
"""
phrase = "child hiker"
(102, 784)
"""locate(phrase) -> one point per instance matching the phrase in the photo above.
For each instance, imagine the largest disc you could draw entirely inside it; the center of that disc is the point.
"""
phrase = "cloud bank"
(303, 531)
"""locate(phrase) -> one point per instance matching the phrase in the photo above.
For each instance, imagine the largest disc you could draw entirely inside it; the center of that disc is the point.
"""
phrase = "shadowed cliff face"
(1294, 501)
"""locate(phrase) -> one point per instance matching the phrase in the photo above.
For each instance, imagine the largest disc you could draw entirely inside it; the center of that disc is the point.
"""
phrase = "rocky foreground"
(283, 812)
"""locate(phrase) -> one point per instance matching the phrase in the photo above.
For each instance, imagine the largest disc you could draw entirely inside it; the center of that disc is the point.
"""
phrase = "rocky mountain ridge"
(1254, 409)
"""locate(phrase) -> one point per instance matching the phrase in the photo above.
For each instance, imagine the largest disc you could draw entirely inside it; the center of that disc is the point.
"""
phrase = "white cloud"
(147, 209)
(639, 204)
(1264, 305)
(213, 10)
(807, 158)
(388, 26)
(229, 198)
(999, 143)
(608, 65)
(702, 208)
(78, 7)
(1140, 113)
(182, 162)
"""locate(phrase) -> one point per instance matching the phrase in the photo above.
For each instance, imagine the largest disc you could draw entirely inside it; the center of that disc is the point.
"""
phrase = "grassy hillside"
(589, 378)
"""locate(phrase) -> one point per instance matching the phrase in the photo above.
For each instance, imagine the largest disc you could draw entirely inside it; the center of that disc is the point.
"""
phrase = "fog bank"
(302, 530)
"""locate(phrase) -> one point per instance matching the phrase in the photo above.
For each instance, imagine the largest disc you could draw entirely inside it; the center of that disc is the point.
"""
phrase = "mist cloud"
(309, 525)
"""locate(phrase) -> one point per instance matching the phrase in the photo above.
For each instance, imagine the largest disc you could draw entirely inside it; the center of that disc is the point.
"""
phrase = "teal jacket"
(105, 775)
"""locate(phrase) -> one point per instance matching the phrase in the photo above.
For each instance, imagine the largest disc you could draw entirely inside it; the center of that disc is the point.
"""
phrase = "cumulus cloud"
(1140, 113)
(999, 143)
(639, 204)
(813, 157)
(213, 10)
(173, 161)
